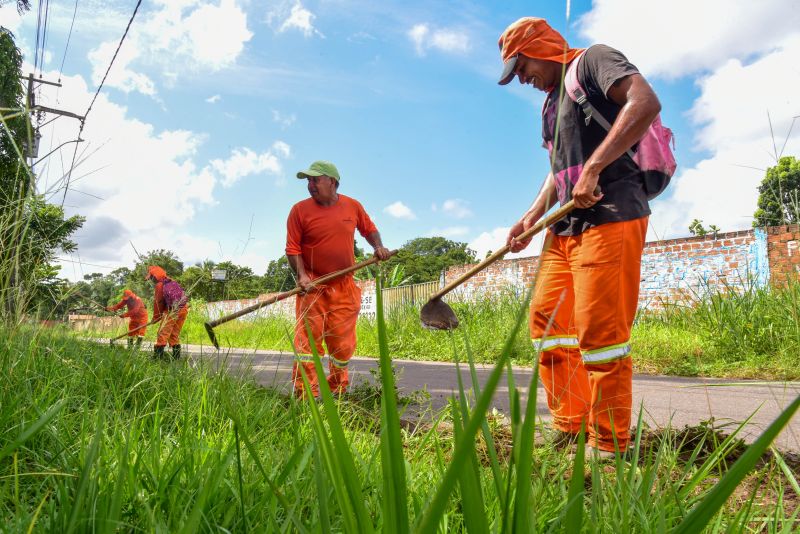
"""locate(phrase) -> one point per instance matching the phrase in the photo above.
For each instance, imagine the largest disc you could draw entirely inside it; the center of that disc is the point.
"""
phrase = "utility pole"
(34, 107)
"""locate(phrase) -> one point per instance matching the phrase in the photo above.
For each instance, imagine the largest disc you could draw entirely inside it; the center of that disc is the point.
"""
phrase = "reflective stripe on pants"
(331, 314)
(587, 289)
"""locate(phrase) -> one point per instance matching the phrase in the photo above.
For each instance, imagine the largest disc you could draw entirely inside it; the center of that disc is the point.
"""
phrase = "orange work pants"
(137, 325)
(331, 313)
(171, 326)
(583, 308)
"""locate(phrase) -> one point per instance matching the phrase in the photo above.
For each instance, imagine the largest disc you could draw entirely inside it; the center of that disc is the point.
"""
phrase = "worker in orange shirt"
(137, 313)
(171, 304)
(319, 241)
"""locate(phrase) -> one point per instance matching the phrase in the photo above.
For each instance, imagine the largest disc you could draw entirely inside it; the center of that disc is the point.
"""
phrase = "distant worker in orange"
(137, 312)
(320, 240)
(170, 303)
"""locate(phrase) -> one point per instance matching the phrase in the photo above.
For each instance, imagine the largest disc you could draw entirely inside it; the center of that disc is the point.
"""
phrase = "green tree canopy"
(779, 195)
(424, 258)
(279, 276)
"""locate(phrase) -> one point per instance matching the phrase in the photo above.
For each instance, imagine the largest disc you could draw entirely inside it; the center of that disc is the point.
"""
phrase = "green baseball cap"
(320, 168)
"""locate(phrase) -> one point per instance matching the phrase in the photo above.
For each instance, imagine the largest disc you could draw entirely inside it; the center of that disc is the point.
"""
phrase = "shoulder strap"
(578, 95)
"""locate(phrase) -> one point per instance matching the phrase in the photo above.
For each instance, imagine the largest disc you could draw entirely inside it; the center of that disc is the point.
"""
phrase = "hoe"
(436, 314)
(210, 325)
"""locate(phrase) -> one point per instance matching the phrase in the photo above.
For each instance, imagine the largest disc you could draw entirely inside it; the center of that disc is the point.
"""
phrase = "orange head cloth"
(534, 38)
(156, 272)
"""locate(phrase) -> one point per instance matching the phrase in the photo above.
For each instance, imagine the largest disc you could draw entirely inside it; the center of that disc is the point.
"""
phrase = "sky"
(211, 108)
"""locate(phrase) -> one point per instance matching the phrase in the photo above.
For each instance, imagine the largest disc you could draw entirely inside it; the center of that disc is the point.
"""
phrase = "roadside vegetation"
(754, 333)
(104, 439)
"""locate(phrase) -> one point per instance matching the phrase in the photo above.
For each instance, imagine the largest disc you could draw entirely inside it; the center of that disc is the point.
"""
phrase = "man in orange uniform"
(587, 288)
(136, 312)
(169, 303)
(320, 240)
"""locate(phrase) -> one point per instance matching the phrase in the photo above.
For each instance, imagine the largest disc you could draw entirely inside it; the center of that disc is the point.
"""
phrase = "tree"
(198, 278)
(164, 258)
(779, 194)
(279, 276)
(696, 228)
(32, 231)
(22, 5)
(424, 258)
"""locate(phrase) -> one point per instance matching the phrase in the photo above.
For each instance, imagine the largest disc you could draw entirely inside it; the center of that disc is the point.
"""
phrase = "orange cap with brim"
(534, 38)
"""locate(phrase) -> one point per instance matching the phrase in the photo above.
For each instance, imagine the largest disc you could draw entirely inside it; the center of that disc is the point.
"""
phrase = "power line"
(103, 81)
(99, 88)
(69, 36)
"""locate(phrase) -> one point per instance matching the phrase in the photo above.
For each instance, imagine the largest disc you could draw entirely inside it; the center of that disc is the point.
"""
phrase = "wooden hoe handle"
(286, 294)
(530, 232)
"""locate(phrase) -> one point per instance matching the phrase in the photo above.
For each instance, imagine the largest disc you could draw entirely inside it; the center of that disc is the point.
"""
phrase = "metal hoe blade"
(437, 315)
(212, 336)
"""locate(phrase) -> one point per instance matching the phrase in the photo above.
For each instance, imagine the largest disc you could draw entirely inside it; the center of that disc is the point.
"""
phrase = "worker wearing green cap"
(320, 240)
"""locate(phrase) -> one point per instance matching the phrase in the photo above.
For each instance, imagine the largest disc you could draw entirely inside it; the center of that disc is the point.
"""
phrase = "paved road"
(665, 400)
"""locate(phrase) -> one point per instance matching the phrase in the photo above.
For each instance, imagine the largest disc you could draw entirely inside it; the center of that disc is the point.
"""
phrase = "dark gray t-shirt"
(622, 182)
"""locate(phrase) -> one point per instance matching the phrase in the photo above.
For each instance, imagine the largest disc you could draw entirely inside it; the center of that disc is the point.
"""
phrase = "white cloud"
(731, 120)
(135, 181)
(361, 37)
(245, 162)
(213, 99)
(284, 120)
(446, 40)
(293, 16)
(9, 18)
(672, 39)
(449, 232)
(179, 35)
(456, 208)
(495, 239)
(120, 76)
(398, 210)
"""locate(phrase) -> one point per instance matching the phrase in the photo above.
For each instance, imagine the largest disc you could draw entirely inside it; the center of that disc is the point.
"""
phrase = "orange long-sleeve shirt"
(136, 308)
(324, 236)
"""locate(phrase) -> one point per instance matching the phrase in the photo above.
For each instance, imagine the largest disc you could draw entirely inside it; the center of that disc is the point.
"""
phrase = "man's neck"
(329, 202)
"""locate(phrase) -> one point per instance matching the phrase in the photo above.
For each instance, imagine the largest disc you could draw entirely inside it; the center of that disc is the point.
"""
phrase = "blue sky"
(212, 107)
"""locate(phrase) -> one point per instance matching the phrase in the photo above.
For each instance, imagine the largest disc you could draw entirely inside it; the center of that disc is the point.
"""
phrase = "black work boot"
(130, 342)
(158, 352)
(176, 352)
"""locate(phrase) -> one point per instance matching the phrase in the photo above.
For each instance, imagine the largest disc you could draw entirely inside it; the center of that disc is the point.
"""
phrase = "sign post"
(221, 276)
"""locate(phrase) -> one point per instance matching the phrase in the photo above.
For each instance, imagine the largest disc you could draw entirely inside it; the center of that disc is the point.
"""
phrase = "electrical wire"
(91, 104)
(69, 36)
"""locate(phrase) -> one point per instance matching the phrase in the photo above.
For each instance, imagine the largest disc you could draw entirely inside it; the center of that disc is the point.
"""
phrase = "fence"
(410, 294)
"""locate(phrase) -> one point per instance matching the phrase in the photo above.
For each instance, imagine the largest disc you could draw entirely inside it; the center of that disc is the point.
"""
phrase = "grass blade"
(705, 510)
(393, 465)
(435, 509)
(32, 430)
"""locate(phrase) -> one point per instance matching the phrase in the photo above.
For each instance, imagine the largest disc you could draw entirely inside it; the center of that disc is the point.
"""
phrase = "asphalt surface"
(665, 400)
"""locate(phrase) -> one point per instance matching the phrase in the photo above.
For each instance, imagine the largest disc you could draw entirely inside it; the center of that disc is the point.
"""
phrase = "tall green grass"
(103, 439)
(753, 332)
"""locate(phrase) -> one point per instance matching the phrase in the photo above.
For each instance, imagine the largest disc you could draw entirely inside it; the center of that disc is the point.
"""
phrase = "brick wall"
(784, 253)
(673, 271)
